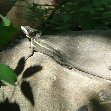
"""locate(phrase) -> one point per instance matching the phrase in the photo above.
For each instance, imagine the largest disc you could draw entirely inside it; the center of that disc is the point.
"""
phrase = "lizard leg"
(32, 49)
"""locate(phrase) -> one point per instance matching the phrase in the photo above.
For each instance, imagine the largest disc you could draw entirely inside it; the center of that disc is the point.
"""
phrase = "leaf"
(97, 3)
(6, 34)
(6, 22)
(7, 74)
(106, 14)
(105, 2)
(86, 9)
(66, 18)
(99, 9)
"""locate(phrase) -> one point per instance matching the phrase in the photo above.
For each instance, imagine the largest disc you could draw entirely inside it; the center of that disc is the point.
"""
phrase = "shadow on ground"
(7, 106)
(96, 105)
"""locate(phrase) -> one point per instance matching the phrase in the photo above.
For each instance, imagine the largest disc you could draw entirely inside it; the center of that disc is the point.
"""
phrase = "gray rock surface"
(56, 88)
(89, 51)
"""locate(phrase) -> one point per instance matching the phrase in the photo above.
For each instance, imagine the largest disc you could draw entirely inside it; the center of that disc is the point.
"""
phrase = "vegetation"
(67, 15)
(7, 74)
(6, 31)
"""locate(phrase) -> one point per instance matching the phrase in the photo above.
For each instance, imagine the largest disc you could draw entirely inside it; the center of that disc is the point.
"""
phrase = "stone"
(45, 85)
(18, 14)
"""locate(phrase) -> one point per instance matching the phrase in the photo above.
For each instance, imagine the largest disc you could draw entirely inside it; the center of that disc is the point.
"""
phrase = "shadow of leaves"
(7, 106)
(31, 71)
(97, 106)
(20, 66)
(27, 91)
(2, 84)
(83, 108)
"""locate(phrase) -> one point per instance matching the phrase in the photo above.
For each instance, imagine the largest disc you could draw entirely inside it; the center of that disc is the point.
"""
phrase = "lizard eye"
(33, 34)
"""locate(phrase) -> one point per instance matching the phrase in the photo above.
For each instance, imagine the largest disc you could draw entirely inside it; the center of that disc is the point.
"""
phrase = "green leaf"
(7, 74)
(6, 22)
(97, 3)
(86, 22)
(7, 31)
(105, 2)
(106, 14)
(66, 18)
(6, 34)
(86, 9)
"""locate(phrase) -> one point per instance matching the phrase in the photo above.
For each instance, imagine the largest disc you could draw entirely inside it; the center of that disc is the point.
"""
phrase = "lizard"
(44, 48)
(56, 54)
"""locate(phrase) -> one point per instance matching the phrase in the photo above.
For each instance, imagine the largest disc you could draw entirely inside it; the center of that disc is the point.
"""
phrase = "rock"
(88, 52)
(49, 2)
(20, 12)
(45, 85)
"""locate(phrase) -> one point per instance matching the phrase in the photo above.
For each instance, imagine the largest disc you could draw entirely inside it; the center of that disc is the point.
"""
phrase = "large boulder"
(45, 85)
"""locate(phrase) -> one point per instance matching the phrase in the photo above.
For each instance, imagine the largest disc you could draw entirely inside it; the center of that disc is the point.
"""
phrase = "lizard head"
(30, 32)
